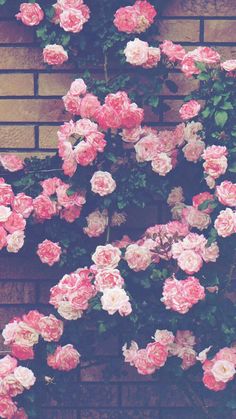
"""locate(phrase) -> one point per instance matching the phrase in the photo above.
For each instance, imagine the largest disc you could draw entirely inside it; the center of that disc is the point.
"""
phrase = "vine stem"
(106, 68)
(108, 233)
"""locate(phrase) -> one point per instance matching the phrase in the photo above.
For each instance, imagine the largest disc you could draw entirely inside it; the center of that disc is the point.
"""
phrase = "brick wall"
(30, 111)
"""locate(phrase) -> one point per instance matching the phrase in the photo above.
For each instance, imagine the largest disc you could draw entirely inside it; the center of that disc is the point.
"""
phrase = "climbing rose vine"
(166, 288)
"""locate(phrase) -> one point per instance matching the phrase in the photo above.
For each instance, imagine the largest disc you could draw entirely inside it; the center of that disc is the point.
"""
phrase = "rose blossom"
(44, 208)
(106, 256)
(102, 183)
(226, 193)
(193, 150)
(7, 365)
(174, 52)
(136, 52)
(130, 354)
(190, 109)
(143, 364)
(229, 65)
(6, 193)
(126, 19)
(97, 223)
(23, 204)
(225, 223)
(157, 354)
(11, 162)
(196, 218)
(89, 106)
(189, 261)
(114, 299)
(65, 358)
(191, 131)
(223, 370)
(54, 54)
(7, 407)
(165, 337)
(175, 196)
(188, 66)
(30, 14)
(154, 57)
(85, 153)
(211, 253)
(51, 329)
(72, 20)
(215, 167)
(162, 164)
(5, 213)
(25, 377)
(201, 198)
(108, 278)
(15, 241)
(15, 222)
(78, 87)
(205, 55)
(138, 257)
(49, 252)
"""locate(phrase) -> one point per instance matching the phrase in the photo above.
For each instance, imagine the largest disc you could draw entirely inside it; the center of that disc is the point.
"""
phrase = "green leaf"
(227, 106)
(206, 204)
(232, 168)
(221, 118)
(200, 66)
(153, 101)
(203, 77)
(216, 99)
(206, 113)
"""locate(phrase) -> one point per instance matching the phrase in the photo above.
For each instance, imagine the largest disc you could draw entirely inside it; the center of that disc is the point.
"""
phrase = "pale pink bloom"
(72, 103)
(72, 20)
(84, 127)
(15, 241)
(85, 153)
(78, 87)
(97, 140)
(6, 194)
(7, 365)
(23, 204)
(125, 309)
(68, 312)
(223, 370)
(215, 167)
(96, 223)
(190, 261)
(5, 213)
(205, 55)
(175, 196)
(126, 19)
(154, 57)
(165, 337)
(65, 358)
(102, 183)
(11, 162)
(162, 164)
(190, 109)
(211, 253)
(136, 52)
(196, 218)
(130, 354)
(191, 131)
(106, 256)
(32, 318)
(200, 199)
(54, 54)
(44, 208)
(51, 328)
(114, 299)
(225, 223)
(147, 148)
(25, 377)
(174, 52)
(89, 106)
(214, 152)
(157, 354)
(3, 238)
(10, 386)
(229, 65)
(7, 406)
(30, 14)
(193, 150)
(143, 364)
(210, 181)
(226, 193)
(15, 222)
(108, 278)
(49, 252)
(138, 257)
(188, 356)
(50, 185)
(131, 135)
(188, 66)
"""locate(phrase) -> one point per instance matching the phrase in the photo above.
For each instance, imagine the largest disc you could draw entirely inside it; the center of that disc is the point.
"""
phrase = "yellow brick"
(199, 8)
(16, 137)
(16, 84)
(179, 30)
(48, 137)
(220, 30)
(55, 84)
(14, 32)
(25, 58)
(32, 110)
(227, 53)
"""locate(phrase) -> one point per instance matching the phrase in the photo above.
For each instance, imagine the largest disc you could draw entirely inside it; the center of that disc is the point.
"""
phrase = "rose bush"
(173, 280)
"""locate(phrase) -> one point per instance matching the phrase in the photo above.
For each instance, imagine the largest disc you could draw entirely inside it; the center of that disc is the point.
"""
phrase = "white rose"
(113, 299)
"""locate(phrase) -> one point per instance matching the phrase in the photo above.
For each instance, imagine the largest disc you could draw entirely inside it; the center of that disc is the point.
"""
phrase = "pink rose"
(54, 54)
(72, 103)
(97, 140)
(210, 382)
(190, 109)
(157, 354)
(5, 213)
(7, 406)
(215, 167)
(214, 152)
(188, 356)
(115, 299)
(165, 337)
(44, 208)
(225, 223)
(200, 199)
(175, 196)
(193, 150)
(138, 257)
(211, 253)
(15, 222)
(102, 183)
(51, 329)
(25, 377)
(174, 52)
(30, 14)
(130, 354)
(126, 19)
(72, 20)
(106, 256)
(162, 164)
(85, 153)
(11, 162)
(229, 65)
(65, 358)
(78, 87)
(22, 352)
(190, 261)
(108, 278)
(223, 370)
(188, 66)
(84, 127)
(15, 241)
(196, 218)
(226, 193)
(154, 57)
(23, 204)
(50, 185)
(143, 364)
(20, 414)
(205, 55)
(97, 223)
(89, 106)
(6, 194)
(7, 365)
(32, 318)
(49, 252)
(136, 52)
(3, 238)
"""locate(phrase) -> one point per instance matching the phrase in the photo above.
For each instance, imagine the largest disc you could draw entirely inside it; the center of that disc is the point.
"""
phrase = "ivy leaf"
(216, 99)
(232, 168)
(227, 106)
(221, 118)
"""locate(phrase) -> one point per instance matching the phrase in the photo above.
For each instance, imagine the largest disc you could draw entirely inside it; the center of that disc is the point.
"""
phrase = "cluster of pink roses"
(71, 15)
(181, 295)
(135, 19)
(22, 333)
(155, 355)
(72, 294)
(219, 370)
(14, 210)
(215, 163)
(14, 380)
(192, 251)
(139, 53)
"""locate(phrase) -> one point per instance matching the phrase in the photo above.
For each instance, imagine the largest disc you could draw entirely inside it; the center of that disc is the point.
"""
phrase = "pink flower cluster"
(219, 370)
(72, 294)
(215, 163)
(65, 358)
(30, 14)
(14, 210)
(194, 146)
(71, 15)
(109, 281)
(192, 251)
(155, 355)
(139, 53)
(22, 333)
(181, 295)
(14, 380)
(67, 205)
(135, 19)
(49, 252)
